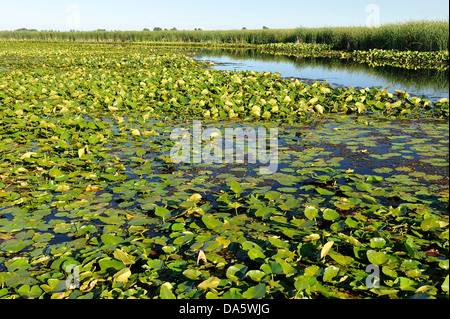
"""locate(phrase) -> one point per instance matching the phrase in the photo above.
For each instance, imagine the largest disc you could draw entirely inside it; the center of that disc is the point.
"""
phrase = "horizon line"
(225, 30)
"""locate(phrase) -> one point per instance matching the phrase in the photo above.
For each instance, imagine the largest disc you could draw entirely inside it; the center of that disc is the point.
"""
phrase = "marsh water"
(431, 84)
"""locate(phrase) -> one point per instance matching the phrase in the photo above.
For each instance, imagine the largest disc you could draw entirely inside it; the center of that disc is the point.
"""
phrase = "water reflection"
(340, 73)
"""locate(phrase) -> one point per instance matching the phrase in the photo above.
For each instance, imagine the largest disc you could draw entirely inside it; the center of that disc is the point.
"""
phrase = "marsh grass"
(415, 35)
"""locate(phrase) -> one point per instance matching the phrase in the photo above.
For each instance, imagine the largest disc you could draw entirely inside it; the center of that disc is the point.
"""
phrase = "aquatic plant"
(92, 206)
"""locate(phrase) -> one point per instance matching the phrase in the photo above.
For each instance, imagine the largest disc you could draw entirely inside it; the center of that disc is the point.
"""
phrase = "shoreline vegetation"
(414, 36)
(412, 45)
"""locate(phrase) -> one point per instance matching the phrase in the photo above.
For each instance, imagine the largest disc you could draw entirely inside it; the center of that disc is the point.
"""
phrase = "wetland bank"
(93, 206)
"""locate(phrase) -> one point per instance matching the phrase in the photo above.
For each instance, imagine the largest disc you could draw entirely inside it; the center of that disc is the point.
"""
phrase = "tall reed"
(414, 35)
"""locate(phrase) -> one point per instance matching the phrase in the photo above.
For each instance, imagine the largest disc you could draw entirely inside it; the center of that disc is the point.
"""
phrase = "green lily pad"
(210, 283)
(256, 275)
(444, 285)
(255, 292)
(18, 265)
(278, 242)
(377, 242)
(311, 212)
(272, 267)
(255, 254)
(211, 222)
(330, 214)
(305, 283)
(162, 212)
(122, 275)
(124, 257)
(108, 264)
(14, 245)
(54, 285)
(109, 239)
(27, 291)
(235, 187)
(323, 191)
(377, 258)
(236, 272)
(166, 292)
(155, 264)
(329, 273)
(192, 274)
(264, 212)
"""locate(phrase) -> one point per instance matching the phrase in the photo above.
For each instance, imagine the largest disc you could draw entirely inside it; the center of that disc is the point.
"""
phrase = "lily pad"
(330, 214)
(236, 272)
(255, 292)
(377, 258)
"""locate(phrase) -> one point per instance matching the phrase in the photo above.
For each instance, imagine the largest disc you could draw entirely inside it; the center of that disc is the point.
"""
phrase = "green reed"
(415, 35)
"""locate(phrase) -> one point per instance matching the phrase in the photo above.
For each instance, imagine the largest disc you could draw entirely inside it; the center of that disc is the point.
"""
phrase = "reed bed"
(414, 35)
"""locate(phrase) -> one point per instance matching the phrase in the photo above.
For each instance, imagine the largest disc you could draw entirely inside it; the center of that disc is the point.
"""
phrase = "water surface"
(339, 73)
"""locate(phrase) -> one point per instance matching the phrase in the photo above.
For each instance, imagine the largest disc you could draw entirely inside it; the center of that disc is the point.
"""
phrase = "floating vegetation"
(437, 60)
(92, 206)
(403, 59)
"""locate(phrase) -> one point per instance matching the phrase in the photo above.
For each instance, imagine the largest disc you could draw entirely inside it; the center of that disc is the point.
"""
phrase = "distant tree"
(244, 28)
(145, 29)
(173, 29)
(264, 27)
(157, 29)
(25, 29)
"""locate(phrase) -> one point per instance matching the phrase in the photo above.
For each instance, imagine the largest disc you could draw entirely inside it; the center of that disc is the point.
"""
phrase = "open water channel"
(431, 84)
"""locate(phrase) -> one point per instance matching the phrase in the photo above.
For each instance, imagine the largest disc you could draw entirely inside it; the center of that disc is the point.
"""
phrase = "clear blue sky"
(209, 14)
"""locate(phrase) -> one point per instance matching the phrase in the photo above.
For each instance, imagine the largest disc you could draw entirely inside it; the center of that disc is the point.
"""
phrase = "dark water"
(340, 73)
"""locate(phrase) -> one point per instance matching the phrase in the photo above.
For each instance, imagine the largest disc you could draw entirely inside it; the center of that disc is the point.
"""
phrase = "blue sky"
(209, 14)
